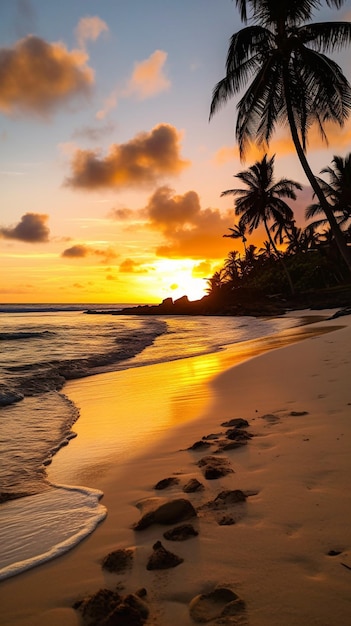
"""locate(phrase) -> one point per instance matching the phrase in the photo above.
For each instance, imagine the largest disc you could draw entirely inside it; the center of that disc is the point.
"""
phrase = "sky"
(111, 173)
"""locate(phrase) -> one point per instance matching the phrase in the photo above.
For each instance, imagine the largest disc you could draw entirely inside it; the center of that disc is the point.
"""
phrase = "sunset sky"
(110, 171)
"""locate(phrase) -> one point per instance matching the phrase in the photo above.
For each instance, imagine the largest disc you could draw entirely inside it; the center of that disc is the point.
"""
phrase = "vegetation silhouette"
(262, 201)
(293, 80)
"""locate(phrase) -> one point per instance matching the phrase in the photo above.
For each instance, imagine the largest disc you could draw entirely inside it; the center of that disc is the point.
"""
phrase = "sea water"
(41, 347)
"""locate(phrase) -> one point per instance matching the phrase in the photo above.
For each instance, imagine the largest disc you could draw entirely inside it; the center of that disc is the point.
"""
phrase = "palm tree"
(232, 266)
(238, 232)
(292, 80)
(262, 201)
(338, 191)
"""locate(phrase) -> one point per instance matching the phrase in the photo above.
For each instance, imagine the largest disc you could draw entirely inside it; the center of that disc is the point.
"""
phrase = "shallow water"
(36, 427)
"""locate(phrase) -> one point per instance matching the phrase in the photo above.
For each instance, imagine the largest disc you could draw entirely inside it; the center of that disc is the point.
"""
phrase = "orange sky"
(111, 173)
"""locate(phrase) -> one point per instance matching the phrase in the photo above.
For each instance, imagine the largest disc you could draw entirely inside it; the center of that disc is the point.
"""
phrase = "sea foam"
(38, 528)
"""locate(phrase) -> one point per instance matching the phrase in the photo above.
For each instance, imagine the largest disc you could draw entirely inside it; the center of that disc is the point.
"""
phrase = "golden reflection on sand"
(123, 413)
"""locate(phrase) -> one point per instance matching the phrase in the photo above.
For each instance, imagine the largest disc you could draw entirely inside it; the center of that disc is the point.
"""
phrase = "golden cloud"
(148, 78)
(142, 161)
(36, 76)
(131, 267)
(147, 81)
(31, 228)
(190, 232)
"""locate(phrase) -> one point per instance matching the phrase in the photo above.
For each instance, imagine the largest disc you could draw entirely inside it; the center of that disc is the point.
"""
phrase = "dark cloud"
(76, 252)
(80, 251)
(36, 76)
(189, 230)
(31, 228)
(143, 160)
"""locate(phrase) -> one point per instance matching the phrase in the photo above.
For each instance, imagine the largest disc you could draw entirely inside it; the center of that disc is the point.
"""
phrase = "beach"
(284, 548)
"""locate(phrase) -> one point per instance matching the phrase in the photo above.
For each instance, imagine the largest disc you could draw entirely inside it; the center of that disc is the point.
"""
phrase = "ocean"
(43, 346)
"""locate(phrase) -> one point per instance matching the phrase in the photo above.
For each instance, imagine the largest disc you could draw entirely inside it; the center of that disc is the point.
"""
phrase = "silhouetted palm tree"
(238, 232)
(292, 80)
(232, 266)
(337, 191)
(261, 201)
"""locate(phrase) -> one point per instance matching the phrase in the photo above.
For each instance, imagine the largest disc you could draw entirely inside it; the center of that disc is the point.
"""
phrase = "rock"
(162, 558)
(212, 436)
(108, 608)
(298, 413)
(236, 422)
(214, 467)
(226, 520)
(200, 445)
(213, 605)
(238, 435)
(166, 482)
(118, 561)
(226, 498)
(230, 445)
(169, 512)
(193, 485)
(181, 533)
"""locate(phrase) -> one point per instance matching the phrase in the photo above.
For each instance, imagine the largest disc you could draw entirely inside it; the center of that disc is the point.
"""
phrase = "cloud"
(31, 228)
(122, 214)
(148, 79)
(143, 160)
(76, 252)
(36, 77)
(131, 267)
(94, 134)
(89, 28)
(202, 269)
(81, 251)
(189, 230)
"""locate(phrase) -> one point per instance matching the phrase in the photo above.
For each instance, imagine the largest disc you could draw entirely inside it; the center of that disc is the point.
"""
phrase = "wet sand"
(284, 550)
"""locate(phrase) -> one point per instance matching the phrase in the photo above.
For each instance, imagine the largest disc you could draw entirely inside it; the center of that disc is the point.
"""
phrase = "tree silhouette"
(262, 201)
(292, 80)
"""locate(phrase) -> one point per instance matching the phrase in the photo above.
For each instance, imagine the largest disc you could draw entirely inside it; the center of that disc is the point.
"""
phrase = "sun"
(178, 279)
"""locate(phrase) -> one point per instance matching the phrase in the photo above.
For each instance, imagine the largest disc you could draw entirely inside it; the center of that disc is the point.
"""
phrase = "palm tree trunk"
(292, 288)
(339, 238)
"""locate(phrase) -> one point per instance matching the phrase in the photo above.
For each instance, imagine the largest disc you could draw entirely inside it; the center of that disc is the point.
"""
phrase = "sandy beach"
(281, 550)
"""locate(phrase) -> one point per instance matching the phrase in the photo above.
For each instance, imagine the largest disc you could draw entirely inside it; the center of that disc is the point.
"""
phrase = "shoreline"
(251, 391)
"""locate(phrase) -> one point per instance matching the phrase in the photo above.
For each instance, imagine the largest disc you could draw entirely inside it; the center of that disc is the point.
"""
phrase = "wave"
(36, 378)
(43, 526)
(19, 335)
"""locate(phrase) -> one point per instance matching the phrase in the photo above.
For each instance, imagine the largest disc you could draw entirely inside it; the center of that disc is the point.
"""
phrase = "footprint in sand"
(220, 606)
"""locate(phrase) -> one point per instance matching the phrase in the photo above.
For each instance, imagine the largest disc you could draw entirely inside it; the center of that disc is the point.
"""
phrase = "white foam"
(38, 528)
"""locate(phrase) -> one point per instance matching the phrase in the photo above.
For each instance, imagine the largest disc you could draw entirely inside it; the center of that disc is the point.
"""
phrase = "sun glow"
(178, 279)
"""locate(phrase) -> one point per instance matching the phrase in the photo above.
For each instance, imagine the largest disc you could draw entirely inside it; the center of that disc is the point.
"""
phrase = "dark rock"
(230, 445)
(236, 422)
(181, 533)
(226, 498)
(118, 561)
(162, 558)
(212, 436)
(226, 520)
(200, 445)
(298, 413)
(170, 512)
(334, 552)
(193, 485)
(238, 435)
(214, 467)
(166, 482)
(108, 608)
